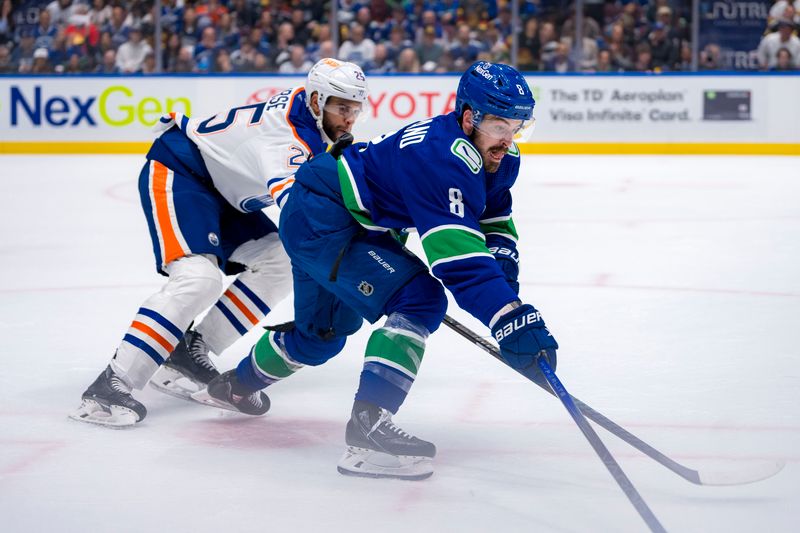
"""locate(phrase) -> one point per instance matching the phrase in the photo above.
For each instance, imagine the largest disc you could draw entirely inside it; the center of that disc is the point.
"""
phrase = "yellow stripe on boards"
(73, 147)
(662, 148)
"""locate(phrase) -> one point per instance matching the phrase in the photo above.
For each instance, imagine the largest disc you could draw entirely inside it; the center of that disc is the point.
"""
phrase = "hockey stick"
(608, 460)
(754, 473)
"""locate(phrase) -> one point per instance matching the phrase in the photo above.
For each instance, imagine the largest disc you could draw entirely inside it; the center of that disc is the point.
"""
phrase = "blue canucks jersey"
(429, 176)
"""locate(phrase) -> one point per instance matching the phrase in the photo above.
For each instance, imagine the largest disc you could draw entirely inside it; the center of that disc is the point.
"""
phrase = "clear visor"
(505, 129)
(347, 110)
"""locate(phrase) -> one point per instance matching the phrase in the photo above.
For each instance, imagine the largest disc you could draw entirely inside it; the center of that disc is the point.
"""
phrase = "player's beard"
(494, 156)
(332, 130)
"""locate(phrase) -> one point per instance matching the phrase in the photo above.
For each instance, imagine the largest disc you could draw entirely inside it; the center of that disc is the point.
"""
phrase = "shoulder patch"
(468, 154)
(513, 150)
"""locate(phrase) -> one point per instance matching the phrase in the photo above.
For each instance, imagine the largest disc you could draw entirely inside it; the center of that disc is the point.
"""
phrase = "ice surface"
(671, 283)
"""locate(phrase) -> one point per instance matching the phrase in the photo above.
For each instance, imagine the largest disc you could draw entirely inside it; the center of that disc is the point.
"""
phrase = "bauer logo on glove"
(518, 323)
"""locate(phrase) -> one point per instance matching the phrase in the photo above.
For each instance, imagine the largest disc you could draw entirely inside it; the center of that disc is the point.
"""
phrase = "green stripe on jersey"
(500, 226)
(351, 197)
(451, 243)
(271, 360)
(396, 348)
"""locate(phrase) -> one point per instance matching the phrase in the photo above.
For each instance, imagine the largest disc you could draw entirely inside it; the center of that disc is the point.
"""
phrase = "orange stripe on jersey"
(144, 328)
(172, 248)
(243, 308)
(278, 188)
(289, 121)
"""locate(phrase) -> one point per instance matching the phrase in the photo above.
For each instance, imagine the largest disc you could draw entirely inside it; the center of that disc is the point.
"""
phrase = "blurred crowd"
(383, 36)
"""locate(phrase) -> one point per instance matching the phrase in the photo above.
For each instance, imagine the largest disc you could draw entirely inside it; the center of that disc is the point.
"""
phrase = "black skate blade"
(350, 473)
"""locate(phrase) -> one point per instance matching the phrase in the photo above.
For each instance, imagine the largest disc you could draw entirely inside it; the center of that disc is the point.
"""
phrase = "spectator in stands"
(644, 58)
(6, 9)
(281, 51)
(189, 31)
(397, 43)
(41, 62)
(100, 13)
(206, 50)
(358, 49)
(222, 62)
(429, 20)
(108, 65)
(664, 50)
(6, 65)
(302, 33)
(407, 61)
(45, 32)
(380, 63)
(710, 57)
(778, 11)
(244, 58)
(429, 51)
(298, 63)
(560, 60)
(228, 34)
(604, 63)
(529, 49)
(22, 55)
(170, 52)
(772, 42)
(149, 64)
(117, 26)
(589, 51)
(548, 43)
(80, 24)
(465, 50)
(60, 11)
(185, 60)
(131, 54)
(784, 61)
(326, 49)
(245, 13)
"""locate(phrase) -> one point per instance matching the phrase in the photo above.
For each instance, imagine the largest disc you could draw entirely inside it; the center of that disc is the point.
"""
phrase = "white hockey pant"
(266, 281)
(195, 282)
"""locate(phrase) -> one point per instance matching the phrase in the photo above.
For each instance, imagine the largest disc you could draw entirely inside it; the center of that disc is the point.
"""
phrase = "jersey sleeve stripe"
(444, 227)
(289, 120)
(459, 258)
(502, 226)
(352, 198)
(448, 243)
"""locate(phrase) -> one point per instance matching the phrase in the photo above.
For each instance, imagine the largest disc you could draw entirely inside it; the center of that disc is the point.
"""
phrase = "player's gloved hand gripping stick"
(523, 336)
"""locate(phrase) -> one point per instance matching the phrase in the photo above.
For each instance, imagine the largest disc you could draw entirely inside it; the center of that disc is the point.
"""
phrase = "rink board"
(591, 114)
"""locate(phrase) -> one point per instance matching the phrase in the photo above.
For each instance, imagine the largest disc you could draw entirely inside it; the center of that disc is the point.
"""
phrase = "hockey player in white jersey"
(203, 189)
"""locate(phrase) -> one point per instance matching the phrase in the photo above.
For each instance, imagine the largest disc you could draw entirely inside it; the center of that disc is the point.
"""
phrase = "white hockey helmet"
(331, 77)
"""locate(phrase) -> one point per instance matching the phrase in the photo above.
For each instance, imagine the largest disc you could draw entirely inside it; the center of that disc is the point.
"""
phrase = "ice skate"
(226, 392)
(187, 370)
(378, 448)
(108, 402)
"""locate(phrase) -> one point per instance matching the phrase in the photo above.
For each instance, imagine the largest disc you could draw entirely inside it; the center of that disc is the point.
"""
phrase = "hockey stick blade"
(600, 449)
(756, 472)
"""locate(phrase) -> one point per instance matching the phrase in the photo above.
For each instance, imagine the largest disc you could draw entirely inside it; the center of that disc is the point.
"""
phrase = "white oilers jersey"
(252, 151)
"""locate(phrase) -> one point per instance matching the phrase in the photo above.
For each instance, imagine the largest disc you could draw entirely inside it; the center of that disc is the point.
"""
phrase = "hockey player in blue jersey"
(202, 190)
(448, 177)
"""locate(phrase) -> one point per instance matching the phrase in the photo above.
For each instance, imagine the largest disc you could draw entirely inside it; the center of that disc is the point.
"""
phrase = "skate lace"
(118, 385)
(198, 349)
(386, 420)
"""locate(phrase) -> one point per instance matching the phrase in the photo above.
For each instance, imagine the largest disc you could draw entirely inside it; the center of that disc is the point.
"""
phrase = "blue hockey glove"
(523, 336)
(506, 257)
(510, 270)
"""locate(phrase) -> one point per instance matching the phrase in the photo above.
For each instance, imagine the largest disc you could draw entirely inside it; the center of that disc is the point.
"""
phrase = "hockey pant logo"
(366, 289)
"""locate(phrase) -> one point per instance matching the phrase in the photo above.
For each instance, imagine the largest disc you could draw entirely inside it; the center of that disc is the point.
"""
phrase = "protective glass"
(345, 110)
(504, 129)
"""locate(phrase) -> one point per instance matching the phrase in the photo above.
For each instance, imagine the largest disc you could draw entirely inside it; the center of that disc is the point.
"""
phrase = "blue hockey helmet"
(495, 89)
